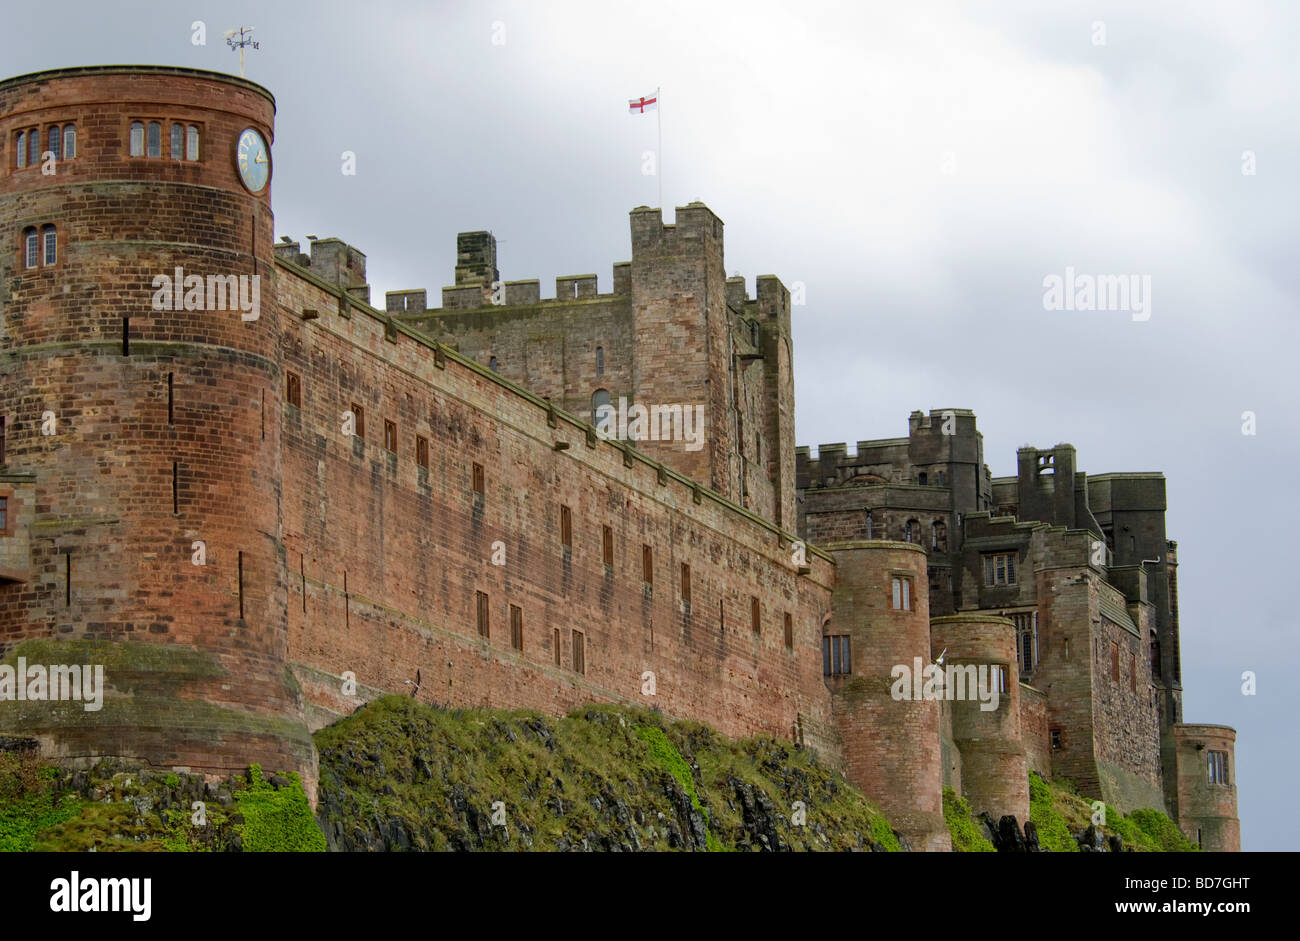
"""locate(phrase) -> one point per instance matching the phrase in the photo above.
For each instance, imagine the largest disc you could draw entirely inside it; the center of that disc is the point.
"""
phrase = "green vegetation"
(398, 774)
(962, 825)
(1060, 811)
(277, 820)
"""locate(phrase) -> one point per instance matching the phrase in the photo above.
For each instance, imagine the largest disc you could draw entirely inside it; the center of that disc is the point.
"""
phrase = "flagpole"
(659, 122)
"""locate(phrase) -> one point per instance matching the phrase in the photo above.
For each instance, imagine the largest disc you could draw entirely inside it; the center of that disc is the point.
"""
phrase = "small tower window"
(154, 140)
(600, 361)
(31, 248)
(69, 141)
(21, 149)
(599, 399)
(178, 140)
(55, 141)
(34, 146)
(51, 240)
(137, 139)
(192, 143)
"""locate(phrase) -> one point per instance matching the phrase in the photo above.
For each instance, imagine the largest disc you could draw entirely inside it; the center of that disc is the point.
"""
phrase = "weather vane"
(245, 34)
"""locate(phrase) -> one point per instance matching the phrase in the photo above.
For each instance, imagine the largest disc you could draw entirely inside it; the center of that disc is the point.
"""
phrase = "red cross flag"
(643, 104)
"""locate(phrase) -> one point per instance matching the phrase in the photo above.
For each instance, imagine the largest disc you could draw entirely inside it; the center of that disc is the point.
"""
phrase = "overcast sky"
(921, 168)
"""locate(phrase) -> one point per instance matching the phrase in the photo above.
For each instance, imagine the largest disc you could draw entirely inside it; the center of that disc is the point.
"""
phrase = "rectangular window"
(482, 603)
(555, 645)
(390, 436)
(516, 627)
(422, 450)
(155, 139)
(4, 516)
(789, 631)
(32, 249)
(647, 565)
(755, 613)
(137, 139)
(1114, 661)
(902, 593)
(359, 420)
(478, 480)
(293, 389)
(566, 527)
(192, 143)
(579, 653)
(837, 657)
(1056, 740)
(2, 440)
(51, 245)
(1133, 672)
(178, 140)
(686, 584)
(1218, 767)
(1000, 569)
(607, 545)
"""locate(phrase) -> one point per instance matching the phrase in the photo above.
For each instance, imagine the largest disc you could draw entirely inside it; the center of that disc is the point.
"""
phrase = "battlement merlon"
(331, 260)
(695, 224)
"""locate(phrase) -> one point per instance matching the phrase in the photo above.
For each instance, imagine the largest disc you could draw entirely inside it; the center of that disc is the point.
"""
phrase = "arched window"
(137, 139)
(178, 140)
(155, 140)
(192, 143)
(599, 399)
(600, 361)
(31, 248)
(913, 531)
(21, 149)
(50, 238)
(939, 536)
(492, 364)
(55, 139)
(34, 146)
(69, 141)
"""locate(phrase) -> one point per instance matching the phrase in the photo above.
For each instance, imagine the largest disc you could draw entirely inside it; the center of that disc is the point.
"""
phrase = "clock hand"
(260, 158)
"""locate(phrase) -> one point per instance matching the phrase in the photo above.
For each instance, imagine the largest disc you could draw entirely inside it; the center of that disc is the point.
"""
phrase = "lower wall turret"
(1207, 791)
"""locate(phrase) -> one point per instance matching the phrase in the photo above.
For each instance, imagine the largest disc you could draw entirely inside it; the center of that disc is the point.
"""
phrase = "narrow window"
(137, 139)
(171, 398)
(21, 149)
(390, 436)
(516, 627)
(241, 586)
(647, 565)
(4, 515)
(178, 140)
(126, 336)
(722, 618)
(600, 407)
(34, 146)
(1133, 671)
(600, 361)
(870, 535)
(155, 140)
(566, 527)
(478, 480)
(293, 389)
(492, 363)
(1114, 661)
(51, 240)
(1067, 650)
(755, 614)
(607, 545)
(31, 248)
(2, 440)
(422, 450)
(176, 487)
(261, 410)
(54, 141)
(1218, 767)
(192, 143)
(555, 645)
(837, 658)
(1056, 740)
(482, 603)
(789, 631)
(686, 584)
(579, 653)
(67, 579)
(359, 420)
(302, 574)
(69, 141)
(902, 592)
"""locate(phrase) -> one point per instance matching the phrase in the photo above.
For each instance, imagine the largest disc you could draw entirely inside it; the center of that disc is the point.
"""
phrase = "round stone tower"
(140, 390)
(1207, 786)
(891, 743)
(981, 698)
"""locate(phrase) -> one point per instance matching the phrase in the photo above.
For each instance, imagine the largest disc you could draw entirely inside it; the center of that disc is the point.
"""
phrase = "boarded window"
(686, 584)
(293, 389)
(390, 436)
(755, 615)
(607, 544)
(579, 653)
(555, 645)
(482, 602)
(516, 627)
(359, 420)
(566, 526)
(478, 479)
(647, 565)
(422, 450)
(789, 631)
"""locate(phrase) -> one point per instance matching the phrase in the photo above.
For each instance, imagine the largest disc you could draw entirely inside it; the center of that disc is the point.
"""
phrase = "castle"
(257, 515)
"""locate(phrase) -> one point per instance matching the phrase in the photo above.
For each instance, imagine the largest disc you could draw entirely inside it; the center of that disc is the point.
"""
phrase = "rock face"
(1007, 837)
(398, 775)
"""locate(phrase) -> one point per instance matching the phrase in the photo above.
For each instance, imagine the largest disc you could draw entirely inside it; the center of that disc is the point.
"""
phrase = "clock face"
(253, 160)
